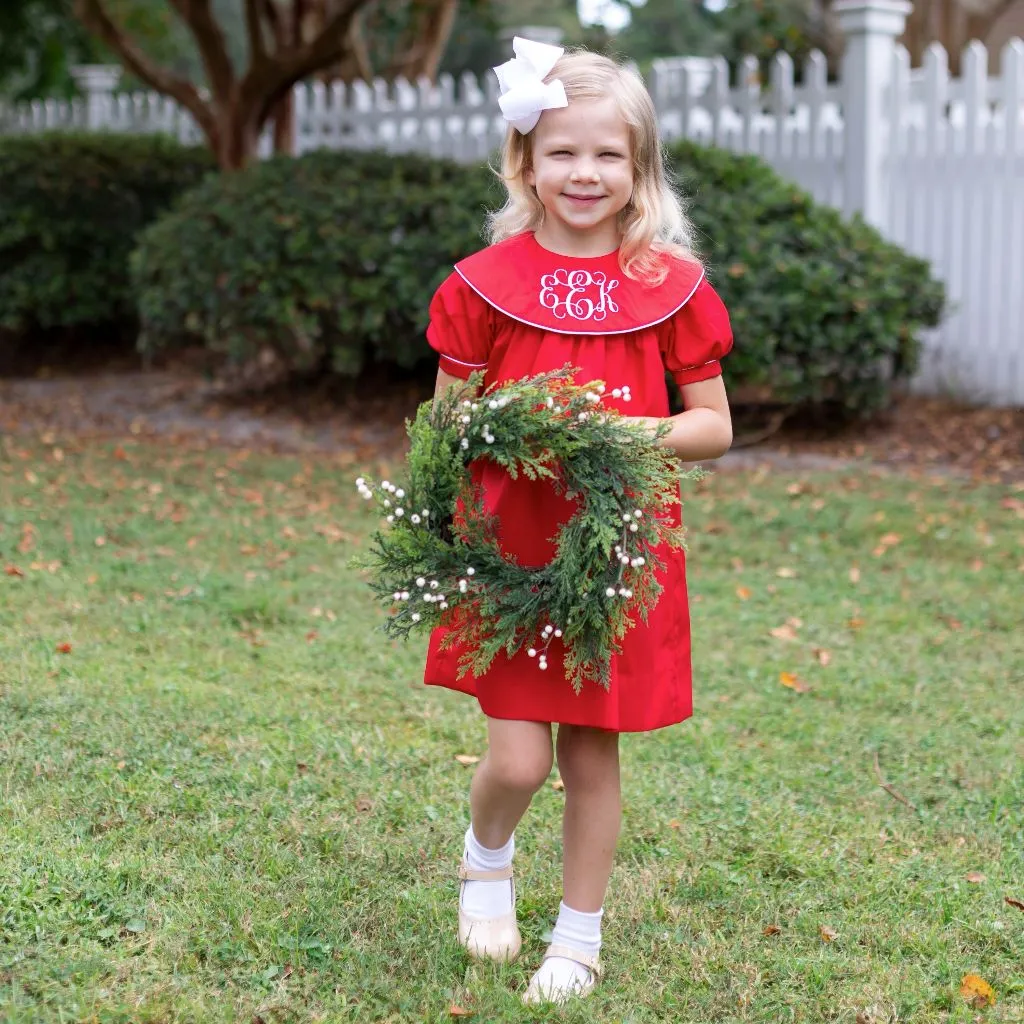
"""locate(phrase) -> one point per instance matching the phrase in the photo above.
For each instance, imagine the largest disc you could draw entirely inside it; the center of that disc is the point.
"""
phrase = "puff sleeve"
(695, 339)
(460, 328)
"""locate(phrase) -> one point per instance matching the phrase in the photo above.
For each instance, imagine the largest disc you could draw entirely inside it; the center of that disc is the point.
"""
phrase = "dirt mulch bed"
(183, 401)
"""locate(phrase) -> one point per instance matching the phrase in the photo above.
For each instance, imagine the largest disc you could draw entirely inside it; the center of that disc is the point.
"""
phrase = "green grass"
(233, 800)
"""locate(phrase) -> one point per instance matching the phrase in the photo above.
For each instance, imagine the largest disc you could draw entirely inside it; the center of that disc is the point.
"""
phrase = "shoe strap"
(588, 960)
(468, 874)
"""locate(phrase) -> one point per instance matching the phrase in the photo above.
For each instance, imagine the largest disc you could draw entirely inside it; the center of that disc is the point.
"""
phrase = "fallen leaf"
(13, 570)
(823, 656)
(786, 632)
(793, 681)
(311, 636)
(1010, 901)
(975, 877)
(120, 765)
(743, 593)
(558, 785)
(772, 929)
(676, 823)
(459, 1011)
(854, 574)
(364, 803)
(977, 991)
(887, 541)
(467, 759)
(64, 648)
(954, 624)
(855, 623)
(786, 573)
(828, 934)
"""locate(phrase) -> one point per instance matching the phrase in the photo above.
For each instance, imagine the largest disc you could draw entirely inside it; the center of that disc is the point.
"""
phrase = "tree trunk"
(289, 41)
(284, 124)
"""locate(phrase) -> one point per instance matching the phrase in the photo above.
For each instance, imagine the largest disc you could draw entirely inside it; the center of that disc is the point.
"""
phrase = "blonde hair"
(653, 223)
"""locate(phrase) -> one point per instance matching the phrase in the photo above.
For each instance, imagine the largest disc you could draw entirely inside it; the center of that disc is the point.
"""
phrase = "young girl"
(590, 264)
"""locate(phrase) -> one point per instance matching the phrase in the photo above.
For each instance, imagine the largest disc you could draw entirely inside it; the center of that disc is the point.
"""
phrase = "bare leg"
(589, 763)
(588, 760)
(517, 762)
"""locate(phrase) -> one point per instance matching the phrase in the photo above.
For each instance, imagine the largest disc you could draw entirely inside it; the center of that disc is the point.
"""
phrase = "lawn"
(227, 797)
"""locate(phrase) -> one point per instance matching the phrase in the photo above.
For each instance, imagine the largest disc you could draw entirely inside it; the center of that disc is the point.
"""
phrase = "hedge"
(329, 261)
(71, 207)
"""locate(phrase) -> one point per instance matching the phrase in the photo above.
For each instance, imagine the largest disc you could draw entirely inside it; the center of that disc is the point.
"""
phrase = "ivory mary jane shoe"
(491, 938)
(561, 994)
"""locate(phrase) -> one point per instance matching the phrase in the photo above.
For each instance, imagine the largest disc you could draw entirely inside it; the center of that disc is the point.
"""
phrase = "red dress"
(515, 309)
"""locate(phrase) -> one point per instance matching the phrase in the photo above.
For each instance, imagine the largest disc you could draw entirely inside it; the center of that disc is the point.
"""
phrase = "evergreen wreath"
(438, 561)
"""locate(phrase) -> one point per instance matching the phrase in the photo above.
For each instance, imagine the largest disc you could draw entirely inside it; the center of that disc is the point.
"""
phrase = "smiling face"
(582, 171)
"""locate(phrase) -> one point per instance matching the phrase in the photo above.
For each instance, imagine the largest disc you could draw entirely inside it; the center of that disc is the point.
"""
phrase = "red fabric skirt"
(650, 680)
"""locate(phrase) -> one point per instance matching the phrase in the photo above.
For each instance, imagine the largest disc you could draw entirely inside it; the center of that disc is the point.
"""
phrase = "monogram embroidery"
(579, 294)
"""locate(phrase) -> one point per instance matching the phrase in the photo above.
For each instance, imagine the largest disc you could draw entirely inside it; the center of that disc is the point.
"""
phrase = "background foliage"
(328, 261)
(70, 208)
(299, 259)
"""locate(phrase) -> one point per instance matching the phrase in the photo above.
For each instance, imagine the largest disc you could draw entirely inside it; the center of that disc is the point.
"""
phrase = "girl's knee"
(522, 770)
(587, 755)
(519, 754)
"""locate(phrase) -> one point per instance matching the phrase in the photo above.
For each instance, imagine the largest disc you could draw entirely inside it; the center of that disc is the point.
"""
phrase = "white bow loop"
(524, 93)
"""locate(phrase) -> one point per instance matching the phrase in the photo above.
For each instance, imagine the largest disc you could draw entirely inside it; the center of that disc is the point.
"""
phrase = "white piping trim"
(556, 330)
(452, 359)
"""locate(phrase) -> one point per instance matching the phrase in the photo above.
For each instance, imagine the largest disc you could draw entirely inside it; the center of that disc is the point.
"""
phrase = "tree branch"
(212, 46)
(254, 30)
(262, 88)
(359, 51)
(95, 18)
(324, 48)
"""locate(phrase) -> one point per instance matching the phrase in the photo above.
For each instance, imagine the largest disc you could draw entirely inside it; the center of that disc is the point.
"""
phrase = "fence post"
(97, 83)
(871, 28)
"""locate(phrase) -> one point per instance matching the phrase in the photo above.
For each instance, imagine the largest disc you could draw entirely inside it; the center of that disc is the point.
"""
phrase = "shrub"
(331, 259)
(824, 311)
(70, 209)
(327, 260)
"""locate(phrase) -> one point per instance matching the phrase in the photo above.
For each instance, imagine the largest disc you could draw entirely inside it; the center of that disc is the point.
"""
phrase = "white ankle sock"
(487, 899)
(581, 931)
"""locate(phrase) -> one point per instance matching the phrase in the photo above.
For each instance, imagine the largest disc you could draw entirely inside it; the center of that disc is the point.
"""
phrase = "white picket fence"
(936, 164)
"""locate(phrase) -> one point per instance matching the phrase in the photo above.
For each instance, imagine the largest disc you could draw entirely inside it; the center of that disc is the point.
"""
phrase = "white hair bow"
(524, 94)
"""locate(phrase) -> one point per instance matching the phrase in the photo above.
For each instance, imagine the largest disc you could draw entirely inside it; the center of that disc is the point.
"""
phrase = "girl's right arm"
(447, 380)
